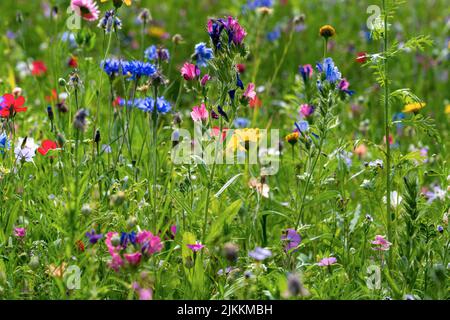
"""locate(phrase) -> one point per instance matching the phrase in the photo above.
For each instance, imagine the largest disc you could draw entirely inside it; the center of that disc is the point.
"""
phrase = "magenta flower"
(190, 71)
(199, 113)
(133, 258)
(344, 84)
(150, 243)
(144, 294)
(173, 229)
(292, 239)
(250, 92)
(235, 31)
(87, 9)
(196, 247)
(306, 110)
(327, 262)
(205, 79)
(20, 232)
(381, 243)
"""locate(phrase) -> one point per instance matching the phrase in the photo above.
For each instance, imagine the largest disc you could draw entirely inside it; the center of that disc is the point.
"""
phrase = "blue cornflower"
(254, 4)
(302, 126)
(93, 237)
(399, 116)
(147, 104)
(137, 69)
(110, 22)
(126, 238)
(241, 122)
(274, 35)
(111, 66)
(203, 54)
(130, 103)
(150, 53)
(153, 53)
(5, 144)
(331, 72)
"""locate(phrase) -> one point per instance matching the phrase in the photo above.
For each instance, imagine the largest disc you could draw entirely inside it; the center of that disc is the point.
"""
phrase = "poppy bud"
(97, 137)
(86, 209)
(231, 251)
(117, 199)
(34, 263)
(62, 82)
(115, 240)
(177, 39)
(131, 222)
(60, 139)
(50, 113)
(17, 92)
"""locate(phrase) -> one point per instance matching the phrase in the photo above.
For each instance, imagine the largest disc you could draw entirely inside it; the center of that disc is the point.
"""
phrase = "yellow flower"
(447, 109)
(292, 138)
(241, 139)
(157, 32)
(127, 2)
(327, 31)
(414, 107)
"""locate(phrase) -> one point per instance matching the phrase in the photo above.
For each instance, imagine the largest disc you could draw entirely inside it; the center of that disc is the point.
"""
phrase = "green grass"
(50, 196)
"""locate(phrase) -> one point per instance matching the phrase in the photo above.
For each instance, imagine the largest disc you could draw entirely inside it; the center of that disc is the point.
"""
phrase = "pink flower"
(113, 250)
(190, 71)
(116, 262)
(234, 30)
(133, 258)
(87, 9)
(381, 243)
(327, 261)
(199, 113)
(344, 84)
(20, 232)
(250, 92)
(196, 246)
(144, 294)
(150, 243)
(205, 79)
(306, 110)
(173, 229)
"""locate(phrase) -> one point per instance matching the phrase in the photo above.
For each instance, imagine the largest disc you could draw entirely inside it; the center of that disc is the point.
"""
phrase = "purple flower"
(93, 237)
(327, 262)
(196, 246)
(260, 254)
(292, 239)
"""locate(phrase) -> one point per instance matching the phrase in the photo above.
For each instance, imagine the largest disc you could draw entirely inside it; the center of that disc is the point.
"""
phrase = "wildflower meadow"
(224, 150)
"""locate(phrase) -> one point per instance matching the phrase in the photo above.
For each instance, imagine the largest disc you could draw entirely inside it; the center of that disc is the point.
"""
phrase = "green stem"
(387, 126)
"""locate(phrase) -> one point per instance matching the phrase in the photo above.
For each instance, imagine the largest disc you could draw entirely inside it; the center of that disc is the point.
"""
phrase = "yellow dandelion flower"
(447, 109)
(292, 138)
(327, 31)
(241, 139)
(118, 3)
(414, 107)
(157, 32)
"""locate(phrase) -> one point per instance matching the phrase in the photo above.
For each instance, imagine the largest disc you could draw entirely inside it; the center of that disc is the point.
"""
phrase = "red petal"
(19, 102)
(42, 151)
(8, 99)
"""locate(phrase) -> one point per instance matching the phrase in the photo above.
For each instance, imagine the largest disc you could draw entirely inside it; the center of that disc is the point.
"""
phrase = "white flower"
(27, 151)
(396, 199)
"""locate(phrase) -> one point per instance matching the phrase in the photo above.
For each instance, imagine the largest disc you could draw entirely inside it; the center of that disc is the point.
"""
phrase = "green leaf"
(226, 217)
(227, 184)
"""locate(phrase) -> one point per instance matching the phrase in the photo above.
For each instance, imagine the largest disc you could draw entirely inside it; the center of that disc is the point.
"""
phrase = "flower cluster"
(128, 249)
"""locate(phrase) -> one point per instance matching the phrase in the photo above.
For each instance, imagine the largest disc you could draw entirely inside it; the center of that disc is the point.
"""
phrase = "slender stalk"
(387, 125)
(211, 179)
(155, 149)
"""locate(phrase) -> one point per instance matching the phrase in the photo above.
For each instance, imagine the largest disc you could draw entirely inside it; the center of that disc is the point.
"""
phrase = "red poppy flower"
(255, 102)
(73, 62)
(52, 97)
(38, 68)
(10, 105)
(80, 245)
(361, 57)
(46, 146)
